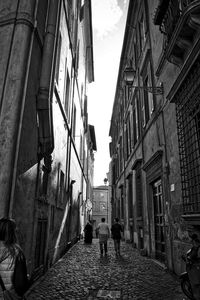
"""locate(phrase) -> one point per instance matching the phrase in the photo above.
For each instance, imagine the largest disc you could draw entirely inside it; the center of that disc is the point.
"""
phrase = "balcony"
(179, 21)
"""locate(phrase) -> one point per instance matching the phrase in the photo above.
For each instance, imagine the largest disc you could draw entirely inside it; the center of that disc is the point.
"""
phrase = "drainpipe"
(44, 98)
(45, 94)
(14, 174)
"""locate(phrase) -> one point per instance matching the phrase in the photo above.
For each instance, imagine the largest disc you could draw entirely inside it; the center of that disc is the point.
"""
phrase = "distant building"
(101, 206)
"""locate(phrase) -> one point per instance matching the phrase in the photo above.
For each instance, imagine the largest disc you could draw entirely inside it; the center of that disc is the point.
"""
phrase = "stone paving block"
(82, 273)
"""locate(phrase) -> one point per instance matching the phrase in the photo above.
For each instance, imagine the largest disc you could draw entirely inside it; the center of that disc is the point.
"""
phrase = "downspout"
(11, 203)
(44, 97)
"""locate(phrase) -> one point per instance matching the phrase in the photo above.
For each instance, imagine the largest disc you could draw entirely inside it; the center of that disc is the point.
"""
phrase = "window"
(141, 27)
(140, 34)
(138, 184)
(146, 101)
(67, 94)
(74, 123)
(81, 149)
(136, 129)
(159, 221)
(128, 136)
(130, 197)
(125, 142)
(135, 52)
(120, 155)
(77, 64)
(122, 202)
(61, 186)
(52, 218)
(147, 95)
(40, 243)
(127, 92)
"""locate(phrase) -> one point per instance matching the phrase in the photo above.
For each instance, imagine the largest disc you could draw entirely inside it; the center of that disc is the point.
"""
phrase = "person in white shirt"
(104, 234)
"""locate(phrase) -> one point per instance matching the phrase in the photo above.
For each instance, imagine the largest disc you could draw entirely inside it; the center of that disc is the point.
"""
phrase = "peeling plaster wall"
(29, 205)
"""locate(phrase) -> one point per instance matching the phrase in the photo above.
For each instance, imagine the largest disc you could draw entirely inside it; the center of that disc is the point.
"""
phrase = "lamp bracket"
(150, 89)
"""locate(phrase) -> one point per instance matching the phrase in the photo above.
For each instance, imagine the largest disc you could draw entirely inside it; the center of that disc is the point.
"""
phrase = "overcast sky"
(108, 18)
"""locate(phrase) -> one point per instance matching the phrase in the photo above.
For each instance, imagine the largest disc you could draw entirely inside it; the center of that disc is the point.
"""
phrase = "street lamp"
(129, 75)
(105, 182)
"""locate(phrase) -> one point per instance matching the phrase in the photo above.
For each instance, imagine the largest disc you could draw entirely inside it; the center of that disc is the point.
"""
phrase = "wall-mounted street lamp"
(105, 181)
(129, 75)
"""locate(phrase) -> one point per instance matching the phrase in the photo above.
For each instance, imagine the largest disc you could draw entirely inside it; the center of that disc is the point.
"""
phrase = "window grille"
(138, 181)
(188, 125)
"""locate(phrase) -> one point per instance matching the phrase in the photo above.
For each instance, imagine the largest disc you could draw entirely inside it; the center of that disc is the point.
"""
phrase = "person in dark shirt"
(116, 230)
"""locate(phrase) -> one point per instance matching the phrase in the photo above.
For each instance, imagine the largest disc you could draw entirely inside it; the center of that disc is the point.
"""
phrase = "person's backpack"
(20, 279)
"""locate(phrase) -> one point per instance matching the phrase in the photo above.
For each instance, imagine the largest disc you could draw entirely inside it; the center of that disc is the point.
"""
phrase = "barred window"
(188, 125)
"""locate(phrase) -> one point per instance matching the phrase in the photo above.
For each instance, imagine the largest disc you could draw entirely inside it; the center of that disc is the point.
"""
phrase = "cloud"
(106, 15)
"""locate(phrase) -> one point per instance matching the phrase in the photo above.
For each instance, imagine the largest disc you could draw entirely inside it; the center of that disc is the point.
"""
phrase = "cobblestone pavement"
(82, 274)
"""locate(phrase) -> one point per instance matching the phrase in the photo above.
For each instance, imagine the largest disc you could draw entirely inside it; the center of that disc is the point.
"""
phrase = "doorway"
(40, 244)
(160, 246)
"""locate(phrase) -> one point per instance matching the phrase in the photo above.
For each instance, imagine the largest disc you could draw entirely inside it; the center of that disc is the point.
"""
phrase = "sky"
(108, 20)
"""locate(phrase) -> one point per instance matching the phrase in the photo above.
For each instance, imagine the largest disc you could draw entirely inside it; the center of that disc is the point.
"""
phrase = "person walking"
(13, 284)
(116, 230)
(104, 234)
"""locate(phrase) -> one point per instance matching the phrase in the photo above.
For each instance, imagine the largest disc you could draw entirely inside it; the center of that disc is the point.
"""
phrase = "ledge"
(156, 156)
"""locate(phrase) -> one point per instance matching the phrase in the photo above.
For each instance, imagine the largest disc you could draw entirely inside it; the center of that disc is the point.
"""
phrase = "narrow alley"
(83, 274)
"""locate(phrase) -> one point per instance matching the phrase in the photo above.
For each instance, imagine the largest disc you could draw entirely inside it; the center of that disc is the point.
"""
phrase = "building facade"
(155, 129)
(46, 66)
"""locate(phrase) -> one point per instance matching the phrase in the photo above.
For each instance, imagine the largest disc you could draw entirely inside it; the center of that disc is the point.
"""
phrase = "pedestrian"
(104, 234)
(97, 233)
(88, 233)
(13, 273)
(194, 269)
(116, 230)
